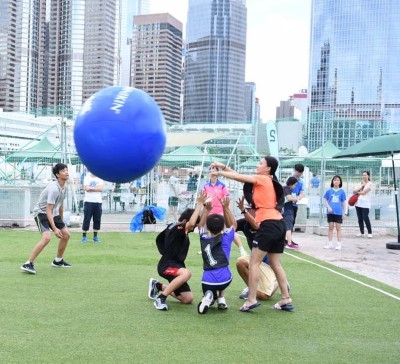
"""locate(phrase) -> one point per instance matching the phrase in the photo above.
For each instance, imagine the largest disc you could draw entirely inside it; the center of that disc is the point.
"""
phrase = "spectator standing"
(288, 210)
(363, 204)
(335, 201)
(173, 199)
(92, 207)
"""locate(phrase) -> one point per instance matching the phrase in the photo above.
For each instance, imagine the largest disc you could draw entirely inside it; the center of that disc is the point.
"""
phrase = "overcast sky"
(281, 30)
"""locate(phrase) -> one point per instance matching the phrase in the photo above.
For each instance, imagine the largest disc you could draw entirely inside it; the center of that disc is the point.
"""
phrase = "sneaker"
(292, 246)
(153, 291)
(245, 294)
(160, 304)
(28, 268)
(338, 246)
(205, 302)
(359, 235)
(222, 303)
(84, 239)
(329, 246)
(369, 236)
(61, 264)
(96, 239)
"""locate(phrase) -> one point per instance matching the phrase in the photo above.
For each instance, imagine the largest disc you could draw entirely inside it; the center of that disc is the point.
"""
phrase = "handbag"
(353, 199)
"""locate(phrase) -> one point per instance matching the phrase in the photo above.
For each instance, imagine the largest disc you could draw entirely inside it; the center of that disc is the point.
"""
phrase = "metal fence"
(19, 192)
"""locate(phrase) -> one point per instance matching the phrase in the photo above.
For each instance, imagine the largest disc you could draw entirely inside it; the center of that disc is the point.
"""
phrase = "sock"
(330, 242)
(27, 262)
(94, 234)
(84, 235)
(242, 251)
(162, 297)
(58, 260)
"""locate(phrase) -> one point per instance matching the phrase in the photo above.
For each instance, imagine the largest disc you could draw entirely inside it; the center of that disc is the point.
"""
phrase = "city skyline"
(280, 69)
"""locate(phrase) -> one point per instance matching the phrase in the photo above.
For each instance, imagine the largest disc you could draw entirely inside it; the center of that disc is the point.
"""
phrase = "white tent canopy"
(387, 162)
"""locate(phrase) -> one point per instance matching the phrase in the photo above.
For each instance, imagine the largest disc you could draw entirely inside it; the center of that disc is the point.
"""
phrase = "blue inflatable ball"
(120, 134)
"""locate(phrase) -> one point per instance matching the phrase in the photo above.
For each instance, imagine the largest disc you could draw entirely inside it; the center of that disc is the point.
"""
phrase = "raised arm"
(201, 199)
(229, 218)
(247, 215)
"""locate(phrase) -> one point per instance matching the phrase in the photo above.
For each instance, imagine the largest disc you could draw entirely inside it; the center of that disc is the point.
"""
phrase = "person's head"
(291, 182)
(186, 215)
(366, 175)
(336, 181)
(215, 224)
(213, 169)
(175, 171)
(58, 168)
(298, 170)
(268, 165)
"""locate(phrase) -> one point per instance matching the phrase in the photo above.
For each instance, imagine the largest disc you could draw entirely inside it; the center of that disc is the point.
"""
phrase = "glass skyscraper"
(354, 84)
(215, 59)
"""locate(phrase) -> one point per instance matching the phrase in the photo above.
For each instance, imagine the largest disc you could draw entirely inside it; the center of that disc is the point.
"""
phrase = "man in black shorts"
(48, 214)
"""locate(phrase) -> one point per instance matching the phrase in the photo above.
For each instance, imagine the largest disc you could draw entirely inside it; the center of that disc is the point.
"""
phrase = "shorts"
(335, 218)
(270, 236)
(288, 219)
(43, 224)
(170, 274)
(215, 287)
(173, 201)
(267, 282)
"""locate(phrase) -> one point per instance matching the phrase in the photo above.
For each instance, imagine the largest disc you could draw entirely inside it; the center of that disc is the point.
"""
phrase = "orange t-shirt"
(264, 198)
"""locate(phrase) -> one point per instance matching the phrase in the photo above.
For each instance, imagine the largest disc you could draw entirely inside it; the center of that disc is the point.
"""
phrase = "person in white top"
(92, 208)
(363, 204)
(173, 199)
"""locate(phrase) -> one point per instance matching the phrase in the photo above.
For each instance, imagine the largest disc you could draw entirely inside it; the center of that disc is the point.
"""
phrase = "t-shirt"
(217, 192)
(299, 188)
(176, 247)
(222, 273)
(364, 201)
(53, 194)
(92, 181)
(173, 184)
(335, 199)
(264, 198)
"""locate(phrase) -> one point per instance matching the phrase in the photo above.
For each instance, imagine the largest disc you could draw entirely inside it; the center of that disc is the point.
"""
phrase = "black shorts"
(335, 218)
(270, 236)
(170, 277)
(173, 201)
(43, 224)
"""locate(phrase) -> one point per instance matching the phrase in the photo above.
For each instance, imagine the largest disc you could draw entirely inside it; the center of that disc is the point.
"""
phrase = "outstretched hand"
(240, 203)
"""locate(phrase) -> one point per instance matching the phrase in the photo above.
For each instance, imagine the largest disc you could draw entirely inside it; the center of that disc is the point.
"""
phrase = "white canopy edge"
(196, 139)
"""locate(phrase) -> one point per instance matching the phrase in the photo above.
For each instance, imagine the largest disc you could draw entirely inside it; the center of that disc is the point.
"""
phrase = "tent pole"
(397, 244)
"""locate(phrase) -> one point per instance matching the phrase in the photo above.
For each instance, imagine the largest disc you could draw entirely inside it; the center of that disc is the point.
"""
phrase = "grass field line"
(344, 276)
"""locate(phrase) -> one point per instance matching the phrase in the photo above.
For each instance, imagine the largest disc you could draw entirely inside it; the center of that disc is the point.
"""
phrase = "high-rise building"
(22, 51)
(250, 105)
(215, 59)
(129, 8)
(157, 61)
(83, 50)
(354, 93)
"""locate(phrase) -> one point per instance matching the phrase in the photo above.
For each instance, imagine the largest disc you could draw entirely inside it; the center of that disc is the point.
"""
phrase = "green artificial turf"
(98, 311)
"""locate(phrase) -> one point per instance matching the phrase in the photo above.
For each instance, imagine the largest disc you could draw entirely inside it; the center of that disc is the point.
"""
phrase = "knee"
(187, 298)
(241, 264)
(66, 235)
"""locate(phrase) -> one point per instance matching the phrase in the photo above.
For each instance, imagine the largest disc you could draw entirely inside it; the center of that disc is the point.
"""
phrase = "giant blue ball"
(120, 134)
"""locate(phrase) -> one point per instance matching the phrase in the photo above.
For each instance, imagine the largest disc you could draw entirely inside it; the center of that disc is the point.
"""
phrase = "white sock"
(58, 259)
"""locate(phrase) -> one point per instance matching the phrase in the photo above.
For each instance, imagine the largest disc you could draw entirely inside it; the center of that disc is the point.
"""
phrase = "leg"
(275, 263)
(330, 231)
(46, 235)
(360, 219)
(365, 216)
(62, 244)
(242, 266)
(239, 244)
(339, 232)
(182, 277)
(256, 258)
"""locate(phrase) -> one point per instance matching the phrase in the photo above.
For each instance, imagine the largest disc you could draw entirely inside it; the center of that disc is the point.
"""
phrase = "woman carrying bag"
(363, 204)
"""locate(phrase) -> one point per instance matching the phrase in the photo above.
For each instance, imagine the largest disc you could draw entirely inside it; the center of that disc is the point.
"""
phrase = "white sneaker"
(369, 236)
(205, 302)
(329, 246)
(338, 246)
(359, 235)
(160, 305)
(245, 294)
(222, 303)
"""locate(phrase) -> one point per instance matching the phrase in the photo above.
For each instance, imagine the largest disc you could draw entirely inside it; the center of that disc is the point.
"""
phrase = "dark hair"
(299, 167)
(175, 168)
(186, 215)
(291, 181)
(59, 167)
(212, 167)
(272, 163)
(340, 184)
(368, 174)
(215, 223)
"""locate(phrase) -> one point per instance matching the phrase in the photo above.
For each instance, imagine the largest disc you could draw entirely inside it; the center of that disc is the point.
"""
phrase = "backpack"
(160, 241)
(148, 217)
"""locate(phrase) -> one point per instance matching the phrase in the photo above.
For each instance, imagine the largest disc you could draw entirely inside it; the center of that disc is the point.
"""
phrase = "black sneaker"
(61, 264)
(28, 268)
(153, 291)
